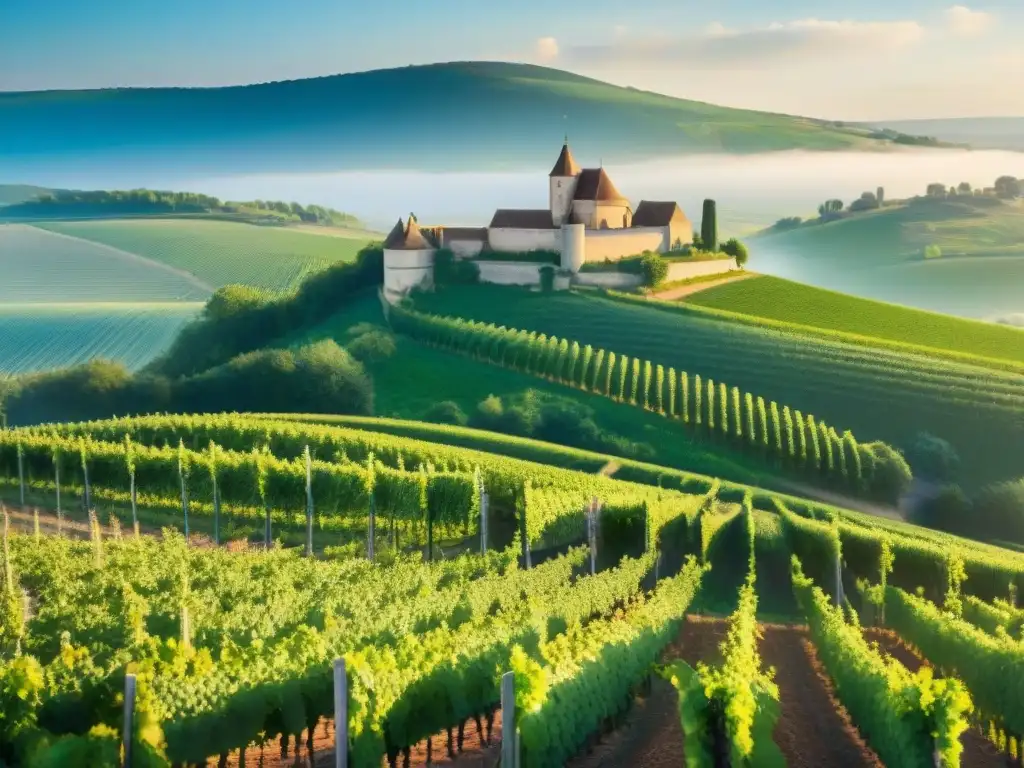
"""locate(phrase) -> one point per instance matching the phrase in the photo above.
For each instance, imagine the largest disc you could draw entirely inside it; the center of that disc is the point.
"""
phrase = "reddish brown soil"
(813, 728)
(474, 755)
(978, 752)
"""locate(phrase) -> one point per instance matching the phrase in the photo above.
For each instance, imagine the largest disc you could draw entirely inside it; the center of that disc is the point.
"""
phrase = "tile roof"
(565, 165)
(657, 214)
(522, 218)
(471, 234)
(594, 184)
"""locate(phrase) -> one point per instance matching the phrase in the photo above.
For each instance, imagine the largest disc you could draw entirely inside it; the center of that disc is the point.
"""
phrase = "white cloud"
(546, 49)
(720, 47)
(962, 21)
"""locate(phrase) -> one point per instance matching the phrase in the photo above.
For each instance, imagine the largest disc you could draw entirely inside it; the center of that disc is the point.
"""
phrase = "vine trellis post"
(129, 719)
(309, 503)
(21, 474)
(56, 478)
(340, 714)
(371, 533)
(509, 732)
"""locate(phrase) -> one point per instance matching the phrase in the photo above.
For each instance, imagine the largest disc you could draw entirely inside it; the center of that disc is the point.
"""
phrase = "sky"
(871, 60)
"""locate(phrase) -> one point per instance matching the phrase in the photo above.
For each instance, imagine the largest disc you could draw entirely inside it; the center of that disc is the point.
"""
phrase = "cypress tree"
(698, 400)
(558, 350)
(828, 467)
(748, 404)
(801, 439)
(709, 226)
(762, 418)
(623, 373)
(572, 369)
(584, 374)
(659, 389)
(737, 419)
(597, 373)
(672, 393)
(634, 389)
(776, 429)
(711, 406)
(684, 397)
(647, 385)
(814, 457)
(853, 464)
(537, 353)
(723, 408)
(787, 422)
(609, 373)
(837, 451)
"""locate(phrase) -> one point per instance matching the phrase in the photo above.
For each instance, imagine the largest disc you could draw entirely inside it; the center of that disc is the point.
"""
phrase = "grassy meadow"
(773, 298)
(876, 393)
(38, 337)
(220, 253)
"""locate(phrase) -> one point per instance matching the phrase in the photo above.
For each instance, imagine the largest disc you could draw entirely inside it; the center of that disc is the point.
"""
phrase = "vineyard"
(874, 393)
(464, 566)
(270, 258)
(39, 337)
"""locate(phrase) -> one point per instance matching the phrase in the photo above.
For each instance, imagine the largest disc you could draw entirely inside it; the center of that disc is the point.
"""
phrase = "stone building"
(587, 219)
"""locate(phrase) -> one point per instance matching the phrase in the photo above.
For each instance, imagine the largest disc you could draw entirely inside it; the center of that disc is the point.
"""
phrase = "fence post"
(60, 516)
(485, 501)
(839, 580)
(508, 720)
(372, 532)
(216, 513)
(129, 718)
(21, 475)
(134, 494)
(85, 476)
(309, 504)
(340, 715)
(184, 498)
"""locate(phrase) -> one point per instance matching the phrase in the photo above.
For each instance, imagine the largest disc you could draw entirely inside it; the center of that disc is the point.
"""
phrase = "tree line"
(787, 438)
(154, 201)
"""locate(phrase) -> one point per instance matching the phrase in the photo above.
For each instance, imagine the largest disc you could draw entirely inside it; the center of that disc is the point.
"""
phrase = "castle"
(587, 219)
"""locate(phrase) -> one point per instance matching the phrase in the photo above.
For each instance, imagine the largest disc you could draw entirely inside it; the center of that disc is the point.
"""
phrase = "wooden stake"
(309, 504)
(129, 717)
(340, 715)
(508, 720)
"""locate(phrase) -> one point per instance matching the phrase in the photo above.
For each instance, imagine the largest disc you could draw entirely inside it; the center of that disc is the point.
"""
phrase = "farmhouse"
(587, 220)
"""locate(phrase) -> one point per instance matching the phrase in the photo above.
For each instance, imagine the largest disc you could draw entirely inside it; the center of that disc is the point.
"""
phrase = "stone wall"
(509, 272)
(520, 240)
(683, 271)
(614, 244)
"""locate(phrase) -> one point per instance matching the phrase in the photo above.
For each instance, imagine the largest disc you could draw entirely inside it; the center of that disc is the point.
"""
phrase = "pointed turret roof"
(406, 238)
(565, 165)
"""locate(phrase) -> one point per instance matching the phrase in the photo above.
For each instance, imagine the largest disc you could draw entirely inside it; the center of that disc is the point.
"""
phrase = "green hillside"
(221, 253)
(12, 194)
(399, 392)
(879, 254)
(772, 298)
(878, 394)
(348, 121)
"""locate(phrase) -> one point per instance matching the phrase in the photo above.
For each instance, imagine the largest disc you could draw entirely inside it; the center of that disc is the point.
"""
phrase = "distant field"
(777, 299)
(36, 337)
(878, 255)
(218, 252)
(875, 393)
(38, 266)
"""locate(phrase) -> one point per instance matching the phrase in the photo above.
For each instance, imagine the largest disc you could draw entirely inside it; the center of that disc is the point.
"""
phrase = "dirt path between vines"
(686, 290)
(813, 729)
(978, 752)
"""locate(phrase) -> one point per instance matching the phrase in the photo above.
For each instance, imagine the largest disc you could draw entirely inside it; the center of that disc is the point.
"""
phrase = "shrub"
(788, 223)
(932, 252)
(372, 346)
(999, 512)
(653, 269)
(449, 270)
(446, 412)
(891, 477)
(933, 458)
(949, 510)
(547, 279)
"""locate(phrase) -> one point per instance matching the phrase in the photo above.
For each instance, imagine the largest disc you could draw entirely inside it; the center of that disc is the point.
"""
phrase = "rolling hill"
(465, 116)
(876, 393)
(12, 194)
(979, 132)
(879, 255)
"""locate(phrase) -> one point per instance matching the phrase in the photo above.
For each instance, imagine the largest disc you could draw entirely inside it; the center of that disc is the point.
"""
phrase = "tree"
(830, 208)
(867, 201)
(936, 189)
(999, 512)
(963, 188)
(880, 196)
(1009, 187)
(709, 226)
(949, 510)
(737, 250)
(932, 251)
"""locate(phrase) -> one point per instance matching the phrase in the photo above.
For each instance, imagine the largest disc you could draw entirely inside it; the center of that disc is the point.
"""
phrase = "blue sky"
(866, 60)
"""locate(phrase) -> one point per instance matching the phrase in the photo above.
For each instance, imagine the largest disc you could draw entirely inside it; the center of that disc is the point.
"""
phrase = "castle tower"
(408, 259)
(562, 185)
